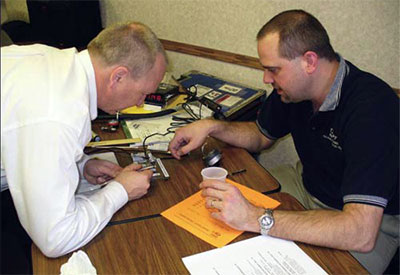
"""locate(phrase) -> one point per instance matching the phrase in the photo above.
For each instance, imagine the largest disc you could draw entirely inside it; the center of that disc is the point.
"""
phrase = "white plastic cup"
(214, 173)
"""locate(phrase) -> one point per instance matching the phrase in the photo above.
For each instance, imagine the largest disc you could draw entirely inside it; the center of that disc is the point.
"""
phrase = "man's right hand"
(135, 183)
(190, 137)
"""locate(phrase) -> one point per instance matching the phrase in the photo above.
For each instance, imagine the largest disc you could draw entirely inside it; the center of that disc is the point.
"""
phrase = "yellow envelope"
(192, 215)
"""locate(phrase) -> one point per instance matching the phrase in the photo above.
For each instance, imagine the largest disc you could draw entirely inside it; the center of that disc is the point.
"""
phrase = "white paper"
(145, 127)
(230, 89)
(255, 256)
(78, 263)
(201, 90)
(229, 101)
(142, 128)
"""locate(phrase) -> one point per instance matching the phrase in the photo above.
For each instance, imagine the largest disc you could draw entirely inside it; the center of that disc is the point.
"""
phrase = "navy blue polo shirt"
(350, 147)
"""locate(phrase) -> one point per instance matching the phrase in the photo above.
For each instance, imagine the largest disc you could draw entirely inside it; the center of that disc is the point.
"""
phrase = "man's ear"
(310, 59)
(118, 74)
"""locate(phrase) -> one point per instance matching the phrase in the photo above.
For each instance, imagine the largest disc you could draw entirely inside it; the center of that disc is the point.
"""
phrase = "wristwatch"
(266, 221)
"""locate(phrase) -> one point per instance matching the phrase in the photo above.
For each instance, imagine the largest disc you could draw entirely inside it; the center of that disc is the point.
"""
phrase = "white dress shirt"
(48, 99)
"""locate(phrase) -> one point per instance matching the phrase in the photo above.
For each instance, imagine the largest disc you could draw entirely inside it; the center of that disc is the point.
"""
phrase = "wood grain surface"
(139, 241)
(156, 246)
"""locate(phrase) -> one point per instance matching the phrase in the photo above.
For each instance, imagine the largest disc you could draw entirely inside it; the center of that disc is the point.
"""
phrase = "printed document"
(255, 256)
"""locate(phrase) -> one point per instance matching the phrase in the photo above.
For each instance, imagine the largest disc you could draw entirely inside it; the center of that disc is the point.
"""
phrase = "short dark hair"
(299, 32)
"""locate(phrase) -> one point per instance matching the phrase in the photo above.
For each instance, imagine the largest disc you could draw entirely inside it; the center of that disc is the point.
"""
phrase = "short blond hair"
(132, 44)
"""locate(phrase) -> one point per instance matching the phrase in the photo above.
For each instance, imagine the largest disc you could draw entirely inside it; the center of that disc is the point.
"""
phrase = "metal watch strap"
(266, 221)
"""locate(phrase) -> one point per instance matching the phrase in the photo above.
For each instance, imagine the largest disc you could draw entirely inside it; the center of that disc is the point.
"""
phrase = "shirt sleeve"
(81, 164)
(371, 147)
(40, 164)
(272, 120)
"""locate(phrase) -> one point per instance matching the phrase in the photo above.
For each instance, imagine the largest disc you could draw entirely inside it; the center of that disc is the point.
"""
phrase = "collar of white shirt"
(88, 66)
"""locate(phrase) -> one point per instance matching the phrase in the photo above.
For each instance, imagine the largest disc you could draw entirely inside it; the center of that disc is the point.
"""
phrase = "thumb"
(186, 149)
(132, 167)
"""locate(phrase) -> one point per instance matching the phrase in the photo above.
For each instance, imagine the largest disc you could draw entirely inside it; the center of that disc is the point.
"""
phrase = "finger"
(175, 147)
(217, 215)
(215, 184)
(90, 179)
(213, 203)
(213, 194)
(175, 153)
(132, 167)
(111, 165)
(186, 149)
(110, 171)
(147, 173)
(100, 180)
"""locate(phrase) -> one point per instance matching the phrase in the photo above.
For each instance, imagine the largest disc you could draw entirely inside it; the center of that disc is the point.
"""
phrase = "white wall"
(366, 32)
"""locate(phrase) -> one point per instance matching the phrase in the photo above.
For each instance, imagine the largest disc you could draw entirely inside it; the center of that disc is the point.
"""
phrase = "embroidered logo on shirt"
(333, 139)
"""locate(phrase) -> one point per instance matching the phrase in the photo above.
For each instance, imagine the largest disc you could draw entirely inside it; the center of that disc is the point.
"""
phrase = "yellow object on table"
(140, 110)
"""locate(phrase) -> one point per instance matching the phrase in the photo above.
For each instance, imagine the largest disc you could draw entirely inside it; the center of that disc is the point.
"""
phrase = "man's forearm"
(327, 228)
(240, 134)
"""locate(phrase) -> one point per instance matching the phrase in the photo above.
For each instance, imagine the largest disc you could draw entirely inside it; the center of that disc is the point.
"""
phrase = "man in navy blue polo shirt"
(345, 126)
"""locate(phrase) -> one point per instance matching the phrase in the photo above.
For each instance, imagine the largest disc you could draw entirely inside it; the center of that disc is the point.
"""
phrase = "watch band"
(266, 221)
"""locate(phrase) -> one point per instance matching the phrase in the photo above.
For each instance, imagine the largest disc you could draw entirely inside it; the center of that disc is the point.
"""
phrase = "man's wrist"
(266, 221)
(215, 127)
(252, 224)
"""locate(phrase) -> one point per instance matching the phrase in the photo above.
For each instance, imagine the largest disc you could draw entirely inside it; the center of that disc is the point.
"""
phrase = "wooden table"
(185, 177)
(140, 241)
(156, 246)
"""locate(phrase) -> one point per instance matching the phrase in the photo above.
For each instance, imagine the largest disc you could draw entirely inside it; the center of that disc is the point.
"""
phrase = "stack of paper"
(259, 255)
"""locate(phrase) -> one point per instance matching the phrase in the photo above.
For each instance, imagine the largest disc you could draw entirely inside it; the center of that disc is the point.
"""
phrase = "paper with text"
(258, 255)
(192, 215)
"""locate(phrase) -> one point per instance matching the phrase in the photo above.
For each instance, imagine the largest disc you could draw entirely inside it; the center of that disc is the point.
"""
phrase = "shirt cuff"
(81, 164)
(116, 193)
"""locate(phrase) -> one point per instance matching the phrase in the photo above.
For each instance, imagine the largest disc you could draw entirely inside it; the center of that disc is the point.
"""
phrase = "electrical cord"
(137, 116)
(145, 150)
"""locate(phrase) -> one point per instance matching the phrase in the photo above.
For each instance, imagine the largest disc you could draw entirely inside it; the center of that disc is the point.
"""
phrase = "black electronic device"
(165, 92)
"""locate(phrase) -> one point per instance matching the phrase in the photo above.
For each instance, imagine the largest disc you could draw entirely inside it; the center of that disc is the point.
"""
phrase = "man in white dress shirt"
(48, 99)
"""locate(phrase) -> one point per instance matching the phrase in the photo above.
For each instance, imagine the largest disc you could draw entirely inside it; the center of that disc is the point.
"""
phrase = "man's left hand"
(98, 171)
(234, 209)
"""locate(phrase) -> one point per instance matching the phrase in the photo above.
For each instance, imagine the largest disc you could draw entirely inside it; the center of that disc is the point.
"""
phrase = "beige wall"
(366, 32)
(14, 10)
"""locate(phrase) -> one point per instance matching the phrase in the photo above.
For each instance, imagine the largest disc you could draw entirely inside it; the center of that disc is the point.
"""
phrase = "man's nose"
(268, 79)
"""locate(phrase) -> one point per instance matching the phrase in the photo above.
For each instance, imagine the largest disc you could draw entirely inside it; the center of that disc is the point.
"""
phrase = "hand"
(97, 171)
(234, 209)
(135, 183)
(189, 138)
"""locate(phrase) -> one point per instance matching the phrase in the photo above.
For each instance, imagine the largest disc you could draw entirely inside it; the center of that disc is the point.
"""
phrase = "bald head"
(133, 45)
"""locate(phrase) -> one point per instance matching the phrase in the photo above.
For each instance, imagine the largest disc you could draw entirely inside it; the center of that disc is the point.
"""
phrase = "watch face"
(266, 221)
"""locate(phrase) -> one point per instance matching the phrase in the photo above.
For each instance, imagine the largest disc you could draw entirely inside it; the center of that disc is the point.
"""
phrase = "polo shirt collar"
(88, 66)
(332, 99)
